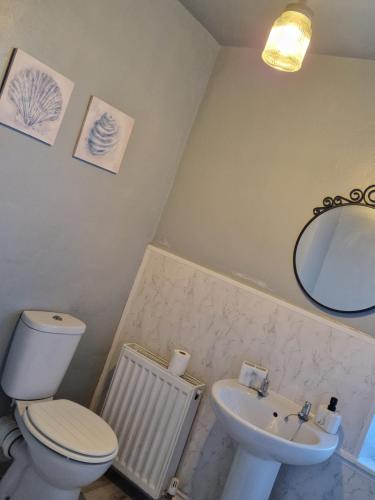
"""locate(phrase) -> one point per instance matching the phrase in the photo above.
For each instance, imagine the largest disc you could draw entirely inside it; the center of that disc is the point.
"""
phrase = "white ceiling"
(340, 27)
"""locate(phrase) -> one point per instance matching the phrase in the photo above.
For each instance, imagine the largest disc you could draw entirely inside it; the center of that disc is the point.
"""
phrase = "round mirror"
(334, 257)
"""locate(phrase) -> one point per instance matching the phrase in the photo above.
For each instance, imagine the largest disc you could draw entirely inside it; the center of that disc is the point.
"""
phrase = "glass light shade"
(288, 41)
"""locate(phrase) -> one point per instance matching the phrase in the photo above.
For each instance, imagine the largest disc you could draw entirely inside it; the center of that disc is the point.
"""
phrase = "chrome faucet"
(303, 414)
(264, 386)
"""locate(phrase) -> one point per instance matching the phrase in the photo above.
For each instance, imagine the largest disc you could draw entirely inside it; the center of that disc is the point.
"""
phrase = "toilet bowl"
(60, 445)
(67, 447)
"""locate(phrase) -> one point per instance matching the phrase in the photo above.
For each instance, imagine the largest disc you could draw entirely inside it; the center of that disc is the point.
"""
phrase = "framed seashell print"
(34, 97)
(104, 135)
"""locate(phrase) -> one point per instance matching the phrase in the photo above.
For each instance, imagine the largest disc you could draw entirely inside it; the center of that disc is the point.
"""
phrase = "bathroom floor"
(112, 486)
(103, 489)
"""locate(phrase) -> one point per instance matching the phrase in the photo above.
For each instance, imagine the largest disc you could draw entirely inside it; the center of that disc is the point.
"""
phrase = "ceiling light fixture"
(289, 38)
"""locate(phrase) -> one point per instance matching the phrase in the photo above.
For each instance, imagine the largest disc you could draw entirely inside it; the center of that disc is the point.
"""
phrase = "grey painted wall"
(72, 235)
(265, 149)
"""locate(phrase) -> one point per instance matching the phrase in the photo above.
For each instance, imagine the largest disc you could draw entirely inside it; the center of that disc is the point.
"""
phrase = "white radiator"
(152, 412)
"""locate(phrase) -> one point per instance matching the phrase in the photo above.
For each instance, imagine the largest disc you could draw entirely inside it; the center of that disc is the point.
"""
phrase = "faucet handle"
(303, 414)
(264, 386)
(307, 406)
(305, 411)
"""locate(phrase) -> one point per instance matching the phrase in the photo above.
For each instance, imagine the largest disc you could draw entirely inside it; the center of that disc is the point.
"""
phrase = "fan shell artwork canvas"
(34, 97)
(104, 135)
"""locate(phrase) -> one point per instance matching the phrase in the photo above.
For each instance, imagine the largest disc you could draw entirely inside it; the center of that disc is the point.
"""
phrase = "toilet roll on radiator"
(179, 362)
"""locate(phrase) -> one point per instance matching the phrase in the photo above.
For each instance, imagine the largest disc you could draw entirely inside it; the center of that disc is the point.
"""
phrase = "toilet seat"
(71, 430)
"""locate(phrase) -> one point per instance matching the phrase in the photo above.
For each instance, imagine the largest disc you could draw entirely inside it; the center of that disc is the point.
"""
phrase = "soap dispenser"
(327, 418)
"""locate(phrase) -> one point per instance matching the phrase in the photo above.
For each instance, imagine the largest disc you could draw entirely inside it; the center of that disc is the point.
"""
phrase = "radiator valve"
(172, 490)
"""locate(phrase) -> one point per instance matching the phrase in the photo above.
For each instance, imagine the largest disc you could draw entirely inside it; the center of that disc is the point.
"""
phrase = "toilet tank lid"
(53, 322)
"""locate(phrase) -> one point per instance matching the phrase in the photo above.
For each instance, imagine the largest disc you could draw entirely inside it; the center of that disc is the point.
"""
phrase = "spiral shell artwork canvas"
(104, 135)
(34, 97)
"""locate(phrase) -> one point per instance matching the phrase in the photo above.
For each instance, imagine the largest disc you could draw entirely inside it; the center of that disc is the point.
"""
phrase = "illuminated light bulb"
(289, 38)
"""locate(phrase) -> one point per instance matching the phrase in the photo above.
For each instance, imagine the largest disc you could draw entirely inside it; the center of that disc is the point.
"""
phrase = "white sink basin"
(265, 440)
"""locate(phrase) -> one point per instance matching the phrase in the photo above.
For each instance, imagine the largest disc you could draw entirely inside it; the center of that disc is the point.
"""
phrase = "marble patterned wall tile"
(221, 323)
(333, 480)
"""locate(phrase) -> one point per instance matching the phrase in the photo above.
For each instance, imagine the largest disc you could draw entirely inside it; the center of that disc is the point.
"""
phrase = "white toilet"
(58, 446)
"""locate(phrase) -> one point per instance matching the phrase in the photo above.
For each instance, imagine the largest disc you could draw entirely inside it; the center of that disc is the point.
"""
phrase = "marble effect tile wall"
(221, 322)
(332, 480)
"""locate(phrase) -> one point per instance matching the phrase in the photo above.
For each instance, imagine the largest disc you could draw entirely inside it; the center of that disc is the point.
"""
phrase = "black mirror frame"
(365, 198)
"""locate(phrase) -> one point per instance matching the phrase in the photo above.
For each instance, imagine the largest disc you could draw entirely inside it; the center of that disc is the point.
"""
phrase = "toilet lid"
(71, 430)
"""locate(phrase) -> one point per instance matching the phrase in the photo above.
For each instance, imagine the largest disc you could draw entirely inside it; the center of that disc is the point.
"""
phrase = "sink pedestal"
(250, 477)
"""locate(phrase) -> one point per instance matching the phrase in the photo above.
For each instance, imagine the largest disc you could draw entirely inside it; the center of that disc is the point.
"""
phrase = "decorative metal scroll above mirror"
(334, 256)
